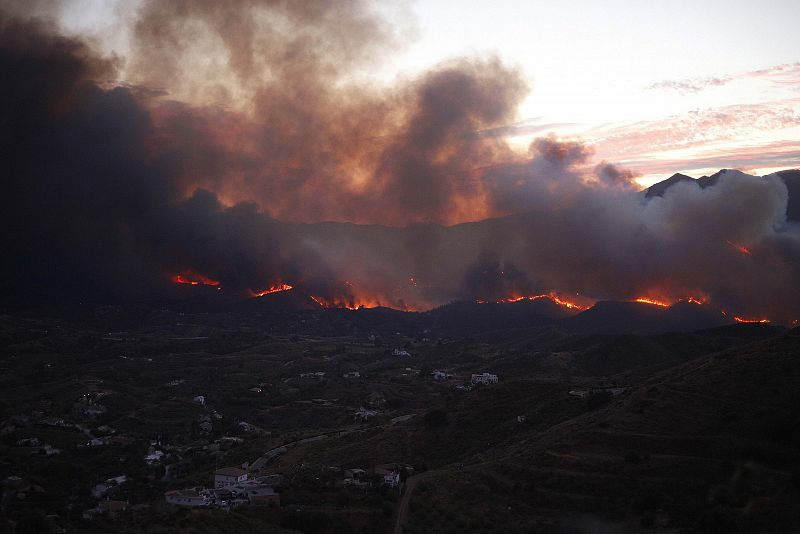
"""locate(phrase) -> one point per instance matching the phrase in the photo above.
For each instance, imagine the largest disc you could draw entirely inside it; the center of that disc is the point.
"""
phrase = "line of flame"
(274, 289)
(552, 296)
(645, 300)
(194, 279)
(746, 320)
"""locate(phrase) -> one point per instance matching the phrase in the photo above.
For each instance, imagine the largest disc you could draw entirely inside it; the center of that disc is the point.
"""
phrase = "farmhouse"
(391, 479)
(364, 414)
(229, 476)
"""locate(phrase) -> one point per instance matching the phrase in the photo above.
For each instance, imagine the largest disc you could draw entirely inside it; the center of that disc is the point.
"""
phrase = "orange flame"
(645, 300)
(349, 303)
(193, 278)
(694, 300)
(744, 250)
(745, 320)
(552, 296)
(274, 289)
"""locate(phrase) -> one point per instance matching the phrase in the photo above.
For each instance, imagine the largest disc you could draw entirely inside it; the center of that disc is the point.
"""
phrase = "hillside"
(709, 445)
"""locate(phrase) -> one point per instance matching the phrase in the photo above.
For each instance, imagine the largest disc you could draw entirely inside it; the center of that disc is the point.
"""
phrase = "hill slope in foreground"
(709, 444)
(586, 431)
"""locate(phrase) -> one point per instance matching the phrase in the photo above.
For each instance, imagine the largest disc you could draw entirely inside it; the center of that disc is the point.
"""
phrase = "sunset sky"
(657, 87)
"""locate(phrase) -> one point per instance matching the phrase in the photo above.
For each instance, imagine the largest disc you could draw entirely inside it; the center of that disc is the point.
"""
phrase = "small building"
(392, 480)
(352, 374)
(484, 378)
(356, 477)
(229, 476)
(520, 419)
(440, 376)
(402, 353)
(364, 414)
(189, 498)
(153, 456)
(200, 399)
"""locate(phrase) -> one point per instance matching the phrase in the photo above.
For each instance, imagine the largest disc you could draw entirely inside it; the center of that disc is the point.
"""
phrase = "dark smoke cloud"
(280, 115)
(112, 188)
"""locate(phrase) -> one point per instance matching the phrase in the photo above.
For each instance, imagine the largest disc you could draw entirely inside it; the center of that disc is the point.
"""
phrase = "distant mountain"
(658, 190)
(790, 177)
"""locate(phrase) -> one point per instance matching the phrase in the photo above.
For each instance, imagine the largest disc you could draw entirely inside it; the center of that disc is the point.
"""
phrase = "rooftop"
(230, 472)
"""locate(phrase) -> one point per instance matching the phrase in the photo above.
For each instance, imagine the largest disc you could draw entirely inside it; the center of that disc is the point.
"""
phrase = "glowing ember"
(190, 277)
(695, 301)
(274, 289)
(744, 250)
(745, 320)
(645, 300)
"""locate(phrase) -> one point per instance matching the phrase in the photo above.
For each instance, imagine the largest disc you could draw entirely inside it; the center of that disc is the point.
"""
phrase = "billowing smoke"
(238, 131)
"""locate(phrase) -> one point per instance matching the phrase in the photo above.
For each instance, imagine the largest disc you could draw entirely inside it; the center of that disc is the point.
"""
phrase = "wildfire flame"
(645, 300)
(193, 278)
(744, 250)
(274, 289)
(694, 300)
(552, 296)
(746, 320)
(350, 303)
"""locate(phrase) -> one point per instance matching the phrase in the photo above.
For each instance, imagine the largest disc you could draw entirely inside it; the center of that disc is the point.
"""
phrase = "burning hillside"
(113, 188)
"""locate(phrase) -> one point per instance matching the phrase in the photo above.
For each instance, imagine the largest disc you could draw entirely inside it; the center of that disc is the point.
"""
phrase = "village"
(222, 440)
(191, 415)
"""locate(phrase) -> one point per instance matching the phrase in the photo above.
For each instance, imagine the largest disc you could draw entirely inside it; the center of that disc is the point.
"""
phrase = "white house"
(401, 352)
(187, 497)
(229, 476)
(363, 414)
(153, 456)
(391, 479)
(484, 378)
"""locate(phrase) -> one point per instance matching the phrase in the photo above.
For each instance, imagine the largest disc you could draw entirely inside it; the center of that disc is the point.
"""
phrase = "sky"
(611, 72)
(656, 87)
